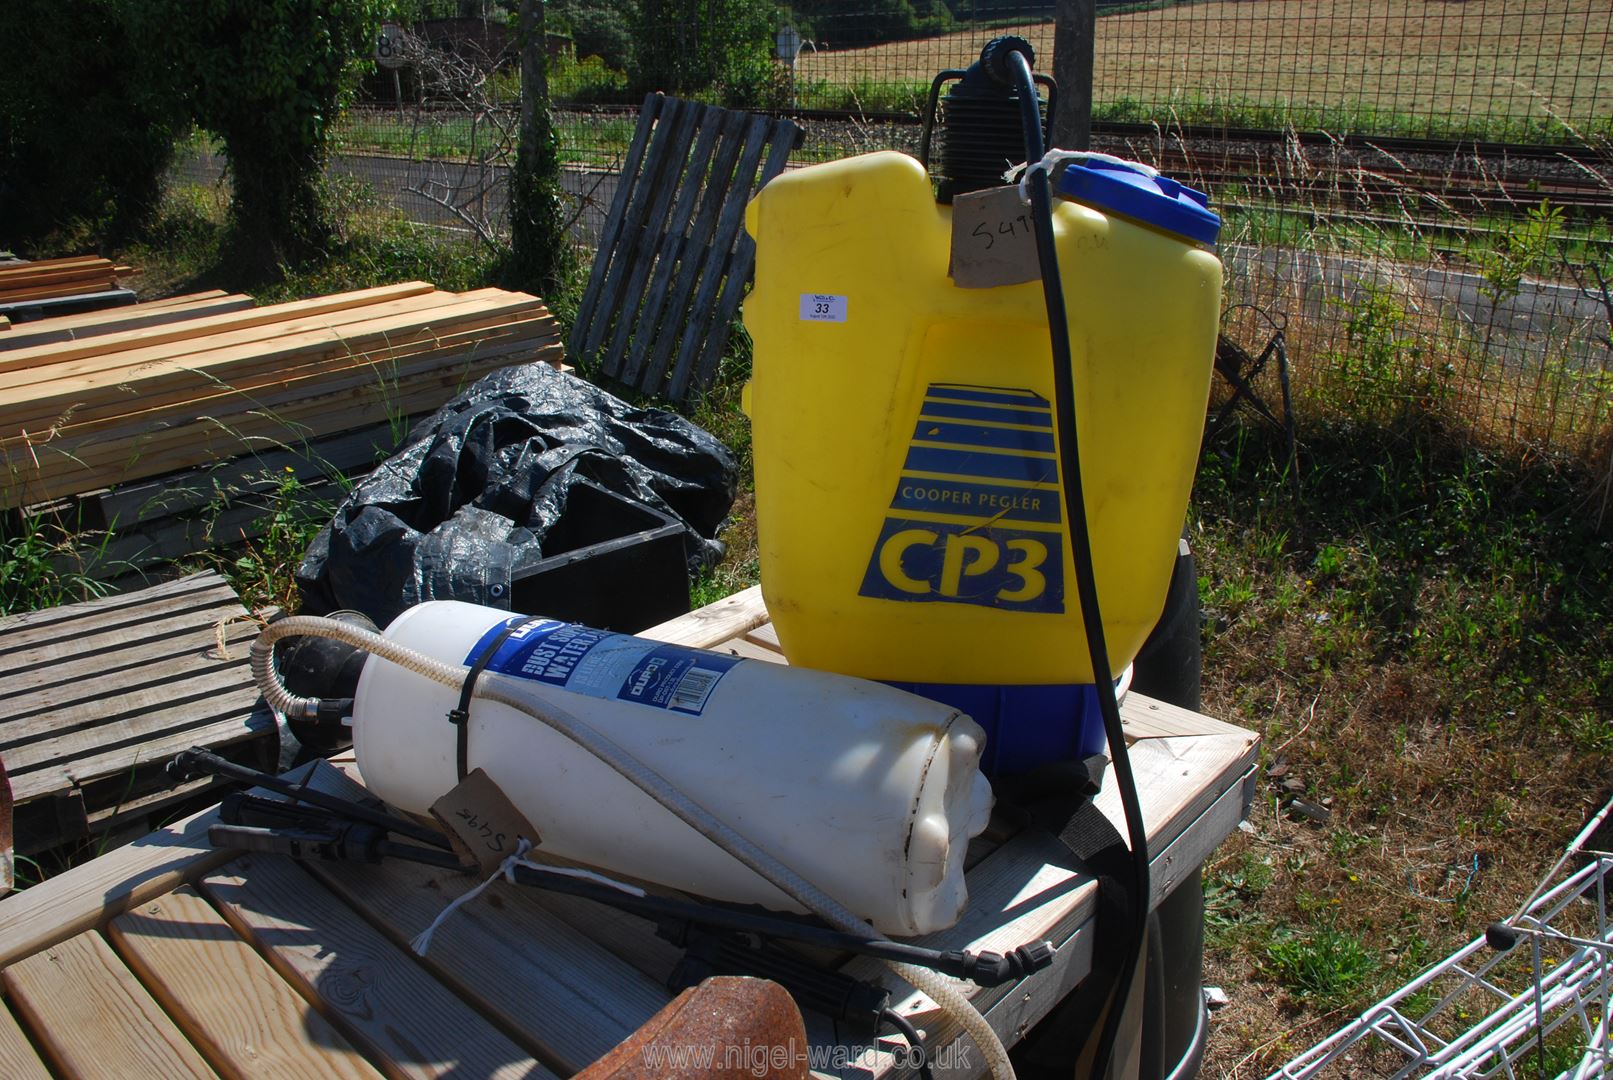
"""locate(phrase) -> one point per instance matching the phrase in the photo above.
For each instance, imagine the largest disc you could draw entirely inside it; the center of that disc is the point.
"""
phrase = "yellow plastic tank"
(907, 481)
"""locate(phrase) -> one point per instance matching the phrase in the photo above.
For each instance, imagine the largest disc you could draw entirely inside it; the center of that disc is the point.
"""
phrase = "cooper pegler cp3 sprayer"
(948, 477)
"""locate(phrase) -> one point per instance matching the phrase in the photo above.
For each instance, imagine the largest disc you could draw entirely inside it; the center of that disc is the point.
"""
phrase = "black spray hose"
(1018, 68)
(915, 1041)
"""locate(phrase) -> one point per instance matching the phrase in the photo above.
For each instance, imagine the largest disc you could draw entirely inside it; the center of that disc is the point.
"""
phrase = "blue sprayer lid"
(1153, 200)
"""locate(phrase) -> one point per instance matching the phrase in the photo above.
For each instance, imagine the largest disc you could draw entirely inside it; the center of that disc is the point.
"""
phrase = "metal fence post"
(1074, 30)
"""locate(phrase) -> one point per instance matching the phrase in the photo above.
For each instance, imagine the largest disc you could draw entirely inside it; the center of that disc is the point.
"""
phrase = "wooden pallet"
(159, 394)
(135, 526)
(97, 697)
(674, 260)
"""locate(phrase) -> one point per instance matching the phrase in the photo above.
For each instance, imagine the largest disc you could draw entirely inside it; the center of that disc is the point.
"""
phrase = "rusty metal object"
(727, 1028)
(8, 847)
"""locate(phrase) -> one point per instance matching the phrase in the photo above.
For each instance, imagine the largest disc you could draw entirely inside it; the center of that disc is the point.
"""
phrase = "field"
(1475, 62)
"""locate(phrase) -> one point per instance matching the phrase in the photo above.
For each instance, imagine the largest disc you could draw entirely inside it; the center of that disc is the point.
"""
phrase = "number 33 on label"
(823, 307)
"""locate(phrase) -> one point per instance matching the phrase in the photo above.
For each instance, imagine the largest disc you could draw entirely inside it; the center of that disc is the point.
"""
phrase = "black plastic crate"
(608, 562)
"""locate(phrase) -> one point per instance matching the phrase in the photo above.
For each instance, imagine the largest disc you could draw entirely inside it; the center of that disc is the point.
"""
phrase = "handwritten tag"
(481, 821)
(992, 243)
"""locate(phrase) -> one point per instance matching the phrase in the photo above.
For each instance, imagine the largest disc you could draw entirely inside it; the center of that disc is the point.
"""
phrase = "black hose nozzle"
(994, 969)
(994, 57)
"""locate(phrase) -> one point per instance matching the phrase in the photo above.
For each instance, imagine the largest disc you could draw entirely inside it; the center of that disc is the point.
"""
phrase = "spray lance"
(1138, 193)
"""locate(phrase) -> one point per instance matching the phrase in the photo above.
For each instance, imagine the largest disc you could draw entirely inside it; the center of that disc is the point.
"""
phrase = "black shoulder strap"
(460, 716)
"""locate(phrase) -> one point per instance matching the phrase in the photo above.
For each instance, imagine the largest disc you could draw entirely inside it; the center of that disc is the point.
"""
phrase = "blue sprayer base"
(1026, 726)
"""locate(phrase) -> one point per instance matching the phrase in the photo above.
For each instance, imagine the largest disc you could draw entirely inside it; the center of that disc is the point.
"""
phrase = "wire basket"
(1528, 999)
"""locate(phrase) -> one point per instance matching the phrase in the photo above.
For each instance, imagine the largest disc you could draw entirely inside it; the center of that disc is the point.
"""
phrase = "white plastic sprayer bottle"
(869, 792)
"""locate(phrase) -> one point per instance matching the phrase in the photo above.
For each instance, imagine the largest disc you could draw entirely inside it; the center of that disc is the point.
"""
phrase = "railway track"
(1414, 177)
(1410, 191)
(1406, 178)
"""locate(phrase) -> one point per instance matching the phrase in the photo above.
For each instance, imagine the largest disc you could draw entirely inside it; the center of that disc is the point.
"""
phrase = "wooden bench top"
(169, 958)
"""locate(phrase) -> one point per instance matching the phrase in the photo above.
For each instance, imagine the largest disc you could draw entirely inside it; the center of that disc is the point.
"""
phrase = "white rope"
(506, 870)
(1053, 159)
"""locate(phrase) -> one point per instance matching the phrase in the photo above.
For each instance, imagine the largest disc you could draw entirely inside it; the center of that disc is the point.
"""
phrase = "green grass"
(262, 569)
(1422, 635)
(1429, 235)
(184, 250)
(865, 95)
(1213, 110)
(597, 141)
(1323, 967)
(36, 556)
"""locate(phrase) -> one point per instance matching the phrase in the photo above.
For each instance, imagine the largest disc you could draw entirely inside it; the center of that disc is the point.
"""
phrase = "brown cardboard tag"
(992, 242)
(481, 821)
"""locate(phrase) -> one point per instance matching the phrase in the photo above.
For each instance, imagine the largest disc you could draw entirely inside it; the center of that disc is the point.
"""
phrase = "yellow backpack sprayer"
(952, 462)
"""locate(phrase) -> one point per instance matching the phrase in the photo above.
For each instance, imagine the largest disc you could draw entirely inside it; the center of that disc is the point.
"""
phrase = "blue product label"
(977, 515)
(605, 665)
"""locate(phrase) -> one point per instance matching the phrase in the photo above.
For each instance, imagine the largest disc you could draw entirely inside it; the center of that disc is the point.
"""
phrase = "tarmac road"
(422, 188)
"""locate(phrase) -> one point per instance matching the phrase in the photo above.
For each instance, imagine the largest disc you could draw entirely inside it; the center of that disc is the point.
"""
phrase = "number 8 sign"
(389, 46)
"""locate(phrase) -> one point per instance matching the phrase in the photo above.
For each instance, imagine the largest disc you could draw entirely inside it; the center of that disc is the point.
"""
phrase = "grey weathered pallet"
(673, 261)
(347, 454)
(138, 525)
(22, 311)
(96, 696)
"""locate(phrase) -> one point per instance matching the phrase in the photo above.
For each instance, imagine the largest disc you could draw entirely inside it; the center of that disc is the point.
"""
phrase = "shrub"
(588, 79)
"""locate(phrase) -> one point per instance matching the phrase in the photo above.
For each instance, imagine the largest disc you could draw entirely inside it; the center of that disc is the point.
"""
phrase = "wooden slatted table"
(168, 958)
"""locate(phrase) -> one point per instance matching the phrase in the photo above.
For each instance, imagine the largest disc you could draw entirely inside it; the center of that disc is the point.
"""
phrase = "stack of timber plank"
(96, 697)
(129, 317)
(104, 410)
(47, 279)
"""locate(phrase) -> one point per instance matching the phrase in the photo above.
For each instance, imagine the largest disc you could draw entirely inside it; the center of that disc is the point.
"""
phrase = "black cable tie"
(460, 716)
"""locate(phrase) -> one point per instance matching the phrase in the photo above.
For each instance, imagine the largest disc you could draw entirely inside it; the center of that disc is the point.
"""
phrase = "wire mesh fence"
(1422, 186)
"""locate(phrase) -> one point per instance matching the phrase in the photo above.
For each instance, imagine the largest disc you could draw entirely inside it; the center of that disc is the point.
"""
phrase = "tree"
(602, 28)
(1074, 31)
(267, 77)
(840, 24)
(541, 255)
(686, 46)
(85, 133)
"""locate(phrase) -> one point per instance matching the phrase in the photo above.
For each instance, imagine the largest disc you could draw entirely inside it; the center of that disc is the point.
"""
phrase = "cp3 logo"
(964, 564)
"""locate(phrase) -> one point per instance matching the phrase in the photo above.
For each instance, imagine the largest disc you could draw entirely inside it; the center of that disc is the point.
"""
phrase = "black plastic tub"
(608, 562)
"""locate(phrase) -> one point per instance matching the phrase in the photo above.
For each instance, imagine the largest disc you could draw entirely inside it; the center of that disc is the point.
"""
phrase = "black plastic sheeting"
(468, 499)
